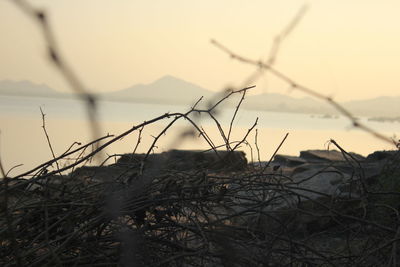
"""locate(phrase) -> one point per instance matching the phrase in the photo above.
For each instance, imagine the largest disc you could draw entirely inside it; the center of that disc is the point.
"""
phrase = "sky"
(345, 49)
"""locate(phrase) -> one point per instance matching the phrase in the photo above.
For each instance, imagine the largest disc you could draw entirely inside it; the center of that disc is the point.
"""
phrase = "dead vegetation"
(124, 214)
(143, 210)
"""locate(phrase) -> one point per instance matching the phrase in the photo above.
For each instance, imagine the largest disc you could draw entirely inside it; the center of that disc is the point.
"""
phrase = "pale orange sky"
(349, 49)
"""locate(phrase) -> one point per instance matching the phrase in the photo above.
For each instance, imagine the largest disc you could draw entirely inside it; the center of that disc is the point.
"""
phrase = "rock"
(316, 182)
(382, 155)
(293, 205)
(326, 155)
(311, 157)
(130, 167)
(186, 160)
(320, 182)
(103, 174)
(288, 161)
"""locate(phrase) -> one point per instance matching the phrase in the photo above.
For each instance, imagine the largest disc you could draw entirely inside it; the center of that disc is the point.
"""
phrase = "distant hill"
(388, 106)
(172, 90)
(26, 88)
(166, 90)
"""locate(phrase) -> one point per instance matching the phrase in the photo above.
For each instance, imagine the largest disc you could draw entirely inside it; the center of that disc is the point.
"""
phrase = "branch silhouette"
(296, 86)
(55, 56)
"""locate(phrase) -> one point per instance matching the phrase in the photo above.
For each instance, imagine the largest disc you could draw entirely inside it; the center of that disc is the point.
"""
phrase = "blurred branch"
(54, 54)
(294, 85)
(284, 34)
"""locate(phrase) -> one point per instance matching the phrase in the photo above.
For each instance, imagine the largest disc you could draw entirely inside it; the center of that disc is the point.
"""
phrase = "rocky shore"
(329, 171)
(193, 208)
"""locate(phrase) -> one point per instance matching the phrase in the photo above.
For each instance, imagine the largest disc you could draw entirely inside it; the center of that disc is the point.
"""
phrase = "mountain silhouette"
(166, 90)
(172, 90)
(26, 88)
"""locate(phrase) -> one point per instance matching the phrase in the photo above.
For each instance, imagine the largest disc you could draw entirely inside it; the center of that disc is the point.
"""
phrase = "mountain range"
(26, 88)
(172, 90)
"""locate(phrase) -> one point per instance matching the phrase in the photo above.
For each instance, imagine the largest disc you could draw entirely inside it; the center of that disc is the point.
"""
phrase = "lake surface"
(22, 140)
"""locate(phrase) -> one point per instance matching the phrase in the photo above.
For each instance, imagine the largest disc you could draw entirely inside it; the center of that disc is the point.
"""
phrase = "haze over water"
(23, 140)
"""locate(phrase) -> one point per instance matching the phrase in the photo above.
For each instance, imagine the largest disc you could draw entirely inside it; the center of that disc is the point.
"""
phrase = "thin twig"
(235, 113)
(257, 148)
(47, 136)
(275, 152)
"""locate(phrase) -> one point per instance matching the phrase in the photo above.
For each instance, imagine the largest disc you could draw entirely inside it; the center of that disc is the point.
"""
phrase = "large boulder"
(326, 155)
(187, 160)
(302, 202)
(319, 181)
(383, 155)
(288, 161)
(133, 167)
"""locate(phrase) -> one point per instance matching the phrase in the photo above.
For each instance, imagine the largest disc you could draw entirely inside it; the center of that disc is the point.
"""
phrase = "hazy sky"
(345, 48)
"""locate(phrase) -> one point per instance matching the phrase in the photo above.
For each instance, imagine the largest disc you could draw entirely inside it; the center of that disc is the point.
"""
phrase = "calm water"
(22, 140)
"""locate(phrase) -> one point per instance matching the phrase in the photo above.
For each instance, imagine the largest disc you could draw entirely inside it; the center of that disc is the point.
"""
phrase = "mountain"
(387, 106)
(166, 90)
(172, 90)
(26, 88)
